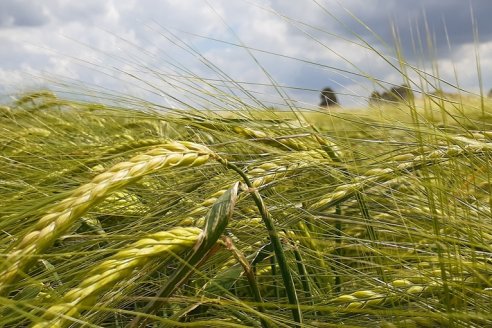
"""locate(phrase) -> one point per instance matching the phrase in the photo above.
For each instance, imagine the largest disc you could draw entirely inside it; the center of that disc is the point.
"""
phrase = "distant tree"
(395, 94)
(375, 98)
(402, 92)
(438, 93)
(490, 94)
(328, 98)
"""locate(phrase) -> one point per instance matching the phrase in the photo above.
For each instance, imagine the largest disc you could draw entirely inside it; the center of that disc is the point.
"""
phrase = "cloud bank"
(163, 51)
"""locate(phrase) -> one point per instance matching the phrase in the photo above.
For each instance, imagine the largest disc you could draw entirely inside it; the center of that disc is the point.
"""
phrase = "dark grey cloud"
(17, 13)
(418, 19)
(26, 13)
(333, 21)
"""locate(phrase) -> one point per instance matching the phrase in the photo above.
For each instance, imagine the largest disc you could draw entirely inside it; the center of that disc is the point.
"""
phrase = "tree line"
(396, 94)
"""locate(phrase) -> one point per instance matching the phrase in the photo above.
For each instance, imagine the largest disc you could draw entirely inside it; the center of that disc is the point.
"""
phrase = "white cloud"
(464, 63)
(103, 42)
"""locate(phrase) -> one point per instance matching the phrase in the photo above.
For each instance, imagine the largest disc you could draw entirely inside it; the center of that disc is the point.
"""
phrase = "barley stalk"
(132, 144)
(288, 142)
(117, 268)
(262, 175)
(276, 243)
(401, 289)
(216, 221)
(377, 176)
(270, 172)
(115, 149)
(63, 215)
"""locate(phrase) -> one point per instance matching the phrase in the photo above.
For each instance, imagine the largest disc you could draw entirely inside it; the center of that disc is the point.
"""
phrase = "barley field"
(117, 211)
(134, 217)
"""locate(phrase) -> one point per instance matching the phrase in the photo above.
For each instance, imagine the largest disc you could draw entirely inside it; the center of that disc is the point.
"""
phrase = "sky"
(230, 53)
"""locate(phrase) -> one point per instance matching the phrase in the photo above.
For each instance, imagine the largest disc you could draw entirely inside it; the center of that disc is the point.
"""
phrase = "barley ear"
(119, 266)
(63, 215)
(216, 221)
